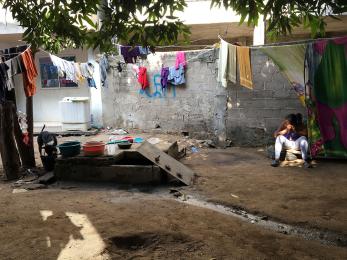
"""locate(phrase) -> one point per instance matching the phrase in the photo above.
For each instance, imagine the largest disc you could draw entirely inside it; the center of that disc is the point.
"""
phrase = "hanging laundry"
(180, 59)
(30, 74)
(245, 69)
(104, 68)
(164, 74)
(91, 83)
(3, 81)
(78, 73)
(129, 53)
(290, 59)
(144, 50)
(231, 63)
(142, 77)
(15, 66)
(176, 76)
(64, 66)
(87, 71)
(222, 63)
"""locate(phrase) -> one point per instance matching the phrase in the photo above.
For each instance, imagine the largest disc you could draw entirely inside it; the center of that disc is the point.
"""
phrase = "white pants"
(299, 144)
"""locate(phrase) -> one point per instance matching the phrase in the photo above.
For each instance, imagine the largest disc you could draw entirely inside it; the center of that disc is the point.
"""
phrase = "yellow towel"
(245, 69)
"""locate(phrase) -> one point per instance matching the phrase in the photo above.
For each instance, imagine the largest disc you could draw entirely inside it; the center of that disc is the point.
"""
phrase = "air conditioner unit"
(75, 113)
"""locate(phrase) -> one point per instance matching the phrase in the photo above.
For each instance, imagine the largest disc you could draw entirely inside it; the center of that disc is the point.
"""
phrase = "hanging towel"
(244, 60)
(290, 59)
(222, 63)
(231, 65)
(180, 59)
(164, 77)
(143, 77)
(30, 74)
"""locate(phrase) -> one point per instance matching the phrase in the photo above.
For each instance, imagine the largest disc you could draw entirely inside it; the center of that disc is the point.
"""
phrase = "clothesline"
(17, 54)
(284, 43)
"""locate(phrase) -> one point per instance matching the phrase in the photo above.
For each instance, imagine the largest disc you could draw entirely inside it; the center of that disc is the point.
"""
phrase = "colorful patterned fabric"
(326, 95)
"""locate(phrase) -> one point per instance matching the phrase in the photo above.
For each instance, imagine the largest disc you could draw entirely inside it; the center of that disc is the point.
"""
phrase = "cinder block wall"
(201, 107)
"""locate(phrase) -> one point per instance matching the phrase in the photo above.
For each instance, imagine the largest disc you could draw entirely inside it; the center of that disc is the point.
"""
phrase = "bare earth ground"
(93, 221)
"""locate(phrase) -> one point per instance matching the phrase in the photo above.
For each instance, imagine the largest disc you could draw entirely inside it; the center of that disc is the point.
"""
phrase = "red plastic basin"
(94, 148)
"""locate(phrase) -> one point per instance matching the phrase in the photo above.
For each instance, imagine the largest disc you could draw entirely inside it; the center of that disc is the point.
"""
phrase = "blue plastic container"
(70, 149)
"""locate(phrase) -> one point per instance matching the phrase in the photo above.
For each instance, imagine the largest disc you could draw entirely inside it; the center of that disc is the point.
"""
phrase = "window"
(50, 77)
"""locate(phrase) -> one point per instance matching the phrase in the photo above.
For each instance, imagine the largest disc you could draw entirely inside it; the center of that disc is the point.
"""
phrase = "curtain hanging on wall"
(326, 94)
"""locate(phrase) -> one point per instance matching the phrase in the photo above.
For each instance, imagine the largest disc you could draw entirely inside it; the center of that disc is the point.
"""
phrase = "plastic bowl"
(69, 149)
(124, 145)
(94, 148)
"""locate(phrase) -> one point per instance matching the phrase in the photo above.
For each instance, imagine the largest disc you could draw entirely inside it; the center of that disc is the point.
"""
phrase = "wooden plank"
(167, 163)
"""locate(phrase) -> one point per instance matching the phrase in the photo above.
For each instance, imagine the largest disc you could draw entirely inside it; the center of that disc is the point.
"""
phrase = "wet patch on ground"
(152, 244)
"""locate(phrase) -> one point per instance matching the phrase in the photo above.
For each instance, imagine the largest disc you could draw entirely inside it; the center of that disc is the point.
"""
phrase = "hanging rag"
(164, 74)
(245, 69)
(290, 59)
(30, 74)
(104, 68)
(180, 59)
(222, 63)
(231, 63)
(142, 78)
(130, 54)
(176, 76)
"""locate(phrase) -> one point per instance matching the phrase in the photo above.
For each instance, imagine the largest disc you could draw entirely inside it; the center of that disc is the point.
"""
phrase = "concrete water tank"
(75, 113)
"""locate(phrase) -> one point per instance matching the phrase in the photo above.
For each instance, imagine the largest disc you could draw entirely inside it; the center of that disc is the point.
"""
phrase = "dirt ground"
(105, 221)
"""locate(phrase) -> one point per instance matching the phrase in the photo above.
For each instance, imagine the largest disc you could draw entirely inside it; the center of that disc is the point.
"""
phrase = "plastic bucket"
(69, 149)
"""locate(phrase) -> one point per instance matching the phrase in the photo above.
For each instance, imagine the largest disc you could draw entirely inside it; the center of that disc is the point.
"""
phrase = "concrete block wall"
(201, 107)
(253, 115)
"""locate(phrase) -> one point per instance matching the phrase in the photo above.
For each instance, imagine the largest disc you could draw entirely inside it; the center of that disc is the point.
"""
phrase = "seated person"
(291, 135)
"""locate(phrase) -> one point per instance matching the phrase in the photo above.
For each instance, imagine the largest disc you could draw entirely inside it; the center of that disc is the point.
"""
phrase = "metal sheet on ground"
(167, 163)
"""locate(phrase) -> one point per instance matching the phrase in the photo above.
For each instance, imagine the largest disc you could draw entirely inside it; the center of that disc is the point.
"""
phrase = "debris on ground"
(19, 190)
(119, 131)
(47, 178)
(154, 140)
(194, 149)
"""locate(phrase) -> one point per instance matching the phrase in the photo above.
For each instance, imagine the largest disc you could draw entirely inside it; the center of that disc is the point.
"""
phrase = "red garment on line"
(30, 73)
(143, 77)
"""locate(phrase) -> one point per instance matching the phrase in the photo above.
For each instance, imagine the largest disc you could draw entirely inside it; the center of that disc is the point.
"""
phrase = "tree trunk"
(30, 122)
(8, 149)
(25, 151)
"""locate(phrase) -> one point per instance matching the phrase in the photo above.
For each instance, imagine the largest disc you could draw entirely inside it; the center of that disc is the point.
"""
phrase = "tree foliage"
(58, 24)
(283, 15)
(55, 25)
